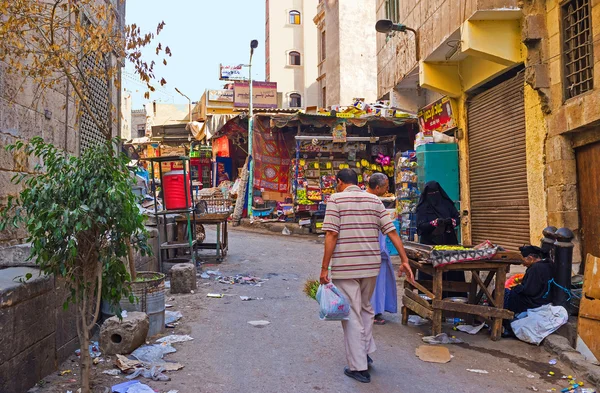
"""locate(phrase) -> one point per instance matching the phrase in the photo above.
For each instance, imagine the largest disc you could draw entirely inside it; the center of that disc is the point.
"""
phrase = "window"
(294, 58)
(578, 64)
(294, 18)
(392, 10)
(323, 45)
(324, 97)
(295, 100)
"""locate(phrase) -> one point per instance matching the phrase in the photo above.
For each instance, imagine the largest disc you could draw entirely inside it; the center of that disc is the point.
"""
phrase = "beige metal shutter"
(497, 165)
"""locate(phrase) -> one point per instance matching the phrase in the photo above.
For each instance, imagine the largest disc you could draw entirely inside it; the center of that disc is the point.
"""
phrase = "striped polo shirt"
(358, 217)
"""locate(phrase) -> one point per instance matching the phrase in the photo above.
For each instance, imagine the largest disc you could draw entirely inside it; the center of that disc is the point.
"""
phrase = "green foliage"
(78, 212)
(310, 288)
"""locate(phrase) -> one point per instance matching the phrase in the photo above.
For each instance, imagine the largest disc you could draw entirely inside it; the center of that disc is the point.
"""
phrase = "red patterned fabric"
(271, 159)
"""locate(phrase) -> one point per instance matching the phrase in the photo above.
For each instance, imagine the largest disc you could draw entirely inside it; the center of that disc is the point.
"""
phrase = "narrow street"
(297, 352)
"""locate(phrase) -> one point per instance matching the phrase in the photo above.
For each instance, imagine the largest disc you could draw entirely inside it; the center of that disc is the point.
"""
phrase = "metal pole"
(250, 137)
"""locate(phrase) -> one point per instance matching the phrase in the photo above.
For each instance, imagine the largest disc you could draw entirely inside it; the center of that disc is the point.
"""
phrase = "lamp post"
(253, 45)
(386, 26)
(189, 103)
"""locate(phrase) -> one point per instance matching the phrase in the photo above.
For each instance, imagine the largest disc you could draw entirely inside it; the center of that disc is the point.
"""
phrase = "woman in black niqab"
(436, 219)
(436, 216)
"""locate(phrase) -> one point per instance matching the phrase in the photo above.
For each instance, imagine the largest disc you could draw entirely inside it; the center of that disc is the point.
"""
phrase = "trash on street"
(470, 329)
(442, 338)
(113, 372)
(155, 373)
(172, 317)
(175, 338)
(259, 324)
(433, 354)
(476, 371)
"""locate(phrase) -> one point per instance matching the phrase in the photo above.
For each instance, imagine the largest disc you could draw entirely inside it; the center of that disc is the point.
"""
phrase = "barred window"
(578, 62)
(98, 102)
(392, 10)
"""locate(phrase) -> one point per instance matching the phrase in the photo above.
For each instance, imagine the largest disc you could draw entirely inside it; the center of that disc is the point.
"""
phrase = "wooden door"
(588, 185)
(588, 327)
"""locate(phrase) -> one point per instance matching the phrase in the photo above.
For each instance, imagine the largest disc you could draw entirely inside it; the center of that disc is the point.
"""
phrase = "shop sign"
(220, 147)
(265, 94)
(339, 133)
(231, 72)
(437, 116)
(220, 95)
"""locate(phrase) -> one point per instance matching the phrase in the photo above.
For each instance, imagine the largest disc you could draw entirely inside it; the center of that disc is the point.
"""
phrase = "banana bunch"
(450, 248)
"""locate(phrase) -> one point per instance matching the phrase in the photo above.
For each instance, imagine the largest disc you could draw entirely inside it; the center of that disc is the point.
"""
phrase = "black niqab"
(435, 203)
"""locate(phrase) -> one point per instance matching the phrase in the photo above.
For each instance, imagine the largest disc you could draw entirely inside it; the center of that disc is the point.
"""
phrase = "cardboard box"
(275, 196)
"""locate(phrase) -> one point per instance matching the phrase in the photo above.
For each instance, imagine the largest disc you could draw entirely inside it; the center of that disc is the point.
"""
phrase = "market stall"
(425, 297)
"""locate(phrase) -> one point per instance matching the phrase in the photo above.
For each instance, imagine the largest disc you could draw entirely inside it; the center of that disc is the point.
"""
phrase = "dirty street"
(299, 196)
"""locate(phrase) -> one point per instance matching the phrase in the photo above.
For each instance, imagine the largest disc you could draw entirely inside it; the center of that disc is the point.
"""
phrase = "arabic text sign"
(220, 95)
(231, 72)
(265, 94)
(437, 116)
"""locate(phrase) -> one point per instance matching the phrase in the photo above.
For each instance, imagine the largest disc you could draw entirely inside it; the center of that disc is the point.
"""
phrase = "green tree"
(80, 213)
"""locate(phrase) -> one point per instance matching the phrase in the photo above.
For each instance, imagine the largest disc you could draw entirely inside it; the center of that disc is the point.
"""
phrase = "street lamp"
(388, 27)
(253, 45)
(189, 103)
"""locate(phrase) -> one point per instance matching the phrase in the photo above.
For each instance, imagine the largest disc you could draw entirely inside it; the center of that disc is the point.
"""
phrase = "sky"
(201, 34)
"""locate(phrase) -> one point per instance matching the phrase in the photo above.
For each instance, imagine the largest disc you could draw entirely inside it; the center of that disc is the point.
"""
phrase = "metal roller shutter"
(497, 165)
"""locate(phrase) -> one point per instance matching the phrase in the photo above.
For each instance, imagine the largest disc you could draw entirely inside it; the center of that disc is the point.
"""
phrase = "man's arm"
(330, 242)
(404, 266)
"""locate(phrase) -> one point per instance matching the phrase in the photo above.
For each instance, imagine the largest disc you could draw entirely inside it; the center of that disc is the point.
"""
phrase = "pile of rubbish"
(231, 280)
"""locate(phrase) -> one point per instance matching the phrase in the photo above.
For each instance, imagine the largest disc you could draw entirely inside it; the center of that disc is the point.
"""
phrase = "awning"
(281, 121)
(214, 123)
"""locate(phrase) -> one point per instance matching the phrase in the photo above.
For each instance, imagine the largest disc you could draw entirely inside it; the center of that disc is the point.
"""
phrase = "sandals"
(379, 320)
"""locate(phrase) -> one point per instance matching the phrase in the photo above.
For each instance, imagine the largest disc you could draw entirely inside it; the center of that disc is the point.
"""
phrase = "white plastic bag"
(333, 305)
(539, 323)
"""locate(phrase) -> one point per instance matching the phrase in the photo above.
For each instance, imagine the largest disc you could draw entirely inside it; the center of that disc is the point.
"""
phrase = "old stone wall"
(36, 333)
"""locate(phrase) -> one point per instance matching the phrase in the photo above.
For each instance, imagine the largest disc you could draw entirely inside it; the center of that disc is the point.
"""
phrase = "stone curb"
(560, 346)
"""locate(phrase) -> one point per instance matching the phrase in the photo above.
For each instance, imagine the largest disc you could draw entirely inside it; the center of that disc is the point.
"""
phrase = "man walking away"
(352, 224)
(385, 296)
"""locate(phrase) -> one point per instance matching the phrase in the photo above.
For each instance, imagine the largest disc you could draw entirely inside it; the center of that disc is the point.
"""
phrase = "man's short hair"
(377, 180)
(347, 176)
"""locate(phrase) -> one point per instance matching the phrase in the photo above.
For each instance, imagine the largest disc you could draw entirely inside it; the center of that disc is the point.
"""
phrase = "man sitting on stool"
(533, 290)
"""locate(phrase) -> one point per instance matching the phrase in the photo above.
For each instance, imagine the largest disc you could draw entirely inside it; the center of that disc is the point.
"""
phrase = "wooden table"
(433, 309)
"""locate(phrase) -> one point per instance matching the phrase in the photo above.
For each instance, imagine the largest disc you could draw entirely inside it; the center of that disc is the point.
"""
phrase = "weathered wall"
(435, 20)
(36, 334)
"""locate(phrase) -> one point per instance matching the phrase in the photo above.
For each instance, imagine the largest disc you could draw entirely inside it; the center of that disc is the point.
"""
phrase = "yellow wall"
(536, 132)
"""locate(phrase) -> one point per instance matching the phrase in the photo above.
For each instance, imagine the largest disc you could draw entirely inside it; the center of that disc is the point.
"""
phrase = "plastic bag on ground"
(140, 388)
(539, 323)
(174, 338)
(333, 305)
(155, 374)
(123, 387)
(172, 316)
(152, 354)
(442, 338)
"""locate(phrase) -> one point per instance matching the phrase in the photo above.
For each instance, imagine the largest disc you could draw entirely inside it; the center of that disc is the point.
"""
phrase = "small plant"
(310, 288)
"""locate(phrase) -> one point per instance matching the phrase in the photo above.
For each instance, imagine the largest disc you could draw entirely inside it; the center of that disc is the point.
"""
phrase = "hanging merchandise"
(339, 133)
(407, 193)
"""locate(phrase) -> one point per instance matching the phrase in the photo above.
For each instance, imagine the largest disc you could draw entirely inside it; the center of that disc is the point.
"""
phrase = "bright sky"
(201, 34)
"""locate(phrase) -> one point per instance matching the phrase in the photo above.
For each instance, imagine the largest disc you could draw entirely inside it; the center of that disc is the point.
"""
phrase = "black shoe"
(369, 360)
(360, 376)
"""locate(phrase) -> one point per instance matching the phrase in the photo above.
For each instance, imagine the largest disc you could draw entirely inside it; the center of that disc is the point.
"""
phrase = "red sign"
(220, 147)
(437, 117)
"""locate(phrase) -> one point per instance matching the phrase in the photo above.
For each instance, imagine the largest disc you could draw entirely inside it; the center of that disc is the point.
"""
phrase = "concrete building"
(139, 122)
(291, 51)
(526, 104)
(126, 130)
(347, 51)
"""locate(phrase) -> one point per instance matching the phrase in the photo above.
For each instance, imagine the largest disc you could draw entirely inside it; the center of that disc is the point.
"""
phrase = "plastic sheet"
(536, 324)
(172, 317)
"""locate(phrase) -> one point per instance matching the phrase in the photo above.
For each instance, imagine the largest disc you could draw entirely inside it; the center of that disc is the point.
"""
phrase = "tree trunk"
(130, 256)
(86, 361)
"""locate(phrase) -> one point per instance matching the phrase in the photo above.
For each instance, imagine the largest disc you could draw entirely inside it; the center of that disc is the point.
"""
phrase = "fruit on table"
(450, 248)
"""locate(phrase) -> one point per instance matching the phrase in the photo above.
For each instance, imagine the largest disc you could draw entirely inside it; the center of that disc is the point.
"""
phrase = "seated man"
(533, 291)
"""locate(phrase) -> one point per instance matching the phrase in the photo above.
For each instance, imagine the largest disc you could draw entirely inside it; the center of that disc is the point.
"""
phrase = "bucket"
(174, 186)
(150, 298)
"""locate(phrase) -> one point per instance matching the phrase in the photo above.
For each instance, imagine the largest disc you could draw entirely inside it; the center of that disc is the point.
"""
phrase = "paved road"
(299, 353)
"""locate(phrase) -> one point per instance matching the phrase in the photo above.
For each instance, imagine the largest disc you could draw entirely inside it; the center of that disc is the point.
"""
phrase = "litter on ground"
(259, 324)
(442, 338)
(433, 354)
(476, 371)
(114, 372)
(174, 338)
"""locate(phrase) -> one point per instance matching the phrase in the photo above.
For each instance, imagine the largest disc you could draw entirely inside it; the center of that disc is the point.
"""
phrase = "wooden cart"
(433, 309)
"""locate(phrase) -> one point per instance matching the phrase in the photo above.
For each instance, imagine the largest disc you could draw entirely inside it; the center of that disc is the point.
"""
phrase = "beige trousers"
(358, 331)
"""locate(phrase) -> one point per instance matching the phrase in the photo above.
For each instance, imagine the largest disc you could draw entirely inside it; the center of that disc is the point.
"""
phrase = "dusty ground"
(299, 353)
